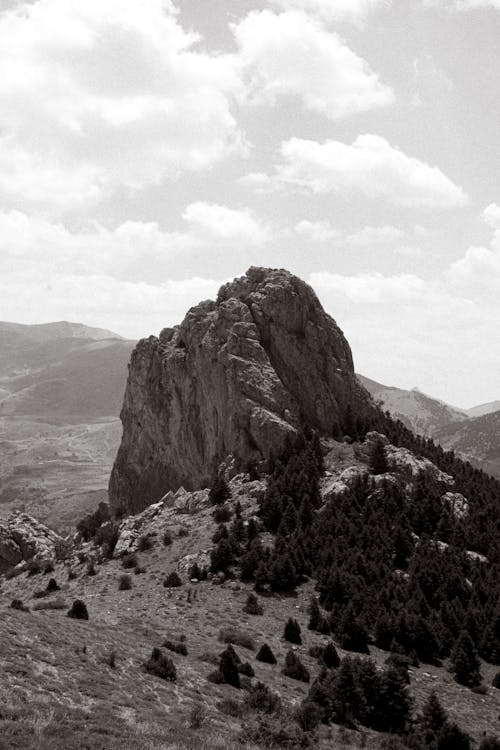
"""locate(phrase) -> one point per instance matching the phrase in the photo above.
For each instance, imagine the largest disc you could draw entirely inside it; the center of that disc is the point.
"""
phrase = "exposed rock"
(201, 558)
(403, 460)
(24, 538)
(238, 377)
(333, 486)
(458, 503)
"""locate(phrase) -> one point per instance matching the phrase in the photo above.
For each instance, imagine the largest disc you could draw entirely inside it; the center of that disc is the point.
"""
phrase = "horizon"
(151, 153)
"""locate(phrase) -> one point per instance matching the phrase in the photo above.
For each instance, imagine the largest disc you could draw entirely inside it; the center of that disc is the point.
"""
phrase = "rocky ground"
(81, 684)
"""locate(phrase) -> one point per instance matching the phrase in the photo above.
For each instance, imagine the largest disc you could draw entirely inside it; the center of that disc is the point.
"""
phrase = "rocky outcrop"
(238, 376)
(24, 538)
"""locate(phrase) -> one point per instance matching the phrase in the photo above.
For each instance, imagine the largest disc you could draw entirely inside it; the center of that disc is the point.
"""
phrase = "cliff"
(235, 378)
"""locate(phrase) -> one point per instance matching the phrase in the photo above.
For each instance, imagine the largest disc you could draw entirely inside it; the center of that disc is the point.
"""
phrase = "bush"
(129, 560)
(239, 637)
(161, 665)
(91, 569)
(140, 570)
(167, 538)
(34, 568)
(58, 603)
(48, 567)
(496, 681)
(111, 659)
(78, 610)
(266, 655)
(252, 606)
(71, 574)
(292, 632)
(246, 669)
(144, 543)
(330, 657)
(222, 514)
(176, 646)
(216, 677)
(183, 532)
(124, 582)
(197, 715)
(229, 668)
(294, 668)
(261, 698)
(17, 604)
(106, 537)
(308, 715)
(173, 580)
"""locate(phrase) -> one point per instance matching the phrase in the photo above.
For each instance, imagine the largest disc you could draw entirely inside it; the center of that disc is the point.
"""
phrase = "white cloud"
(104, 94)
(370, 166)
(290, 55)
(464, 5)
(491, 215)
(323, 231)
(226, 224)
(317, 231)
(334, 10)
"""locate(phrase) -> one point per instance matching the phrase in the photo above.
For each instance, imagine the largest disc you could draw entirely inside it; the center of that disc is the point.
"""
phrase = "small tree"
(125, 582)
(78, 610)
(330, 657)
(161, 665)
(229, 667)
(377, 460)
(252, 606)
(294, 668)
(351, 634)
(219, 492)
(266, 655)
(173, 580)
(292, 632)
(464, 663)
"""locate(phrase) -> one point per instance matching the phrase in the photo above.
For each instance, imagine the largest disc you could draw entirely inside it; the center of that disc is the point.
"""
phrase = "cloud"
(317, 231)
(370, 166)
(323, 231)
(277, 53)
(491, 215)
(464, 5)
(334, 10)
(107, 94)
(227, 224)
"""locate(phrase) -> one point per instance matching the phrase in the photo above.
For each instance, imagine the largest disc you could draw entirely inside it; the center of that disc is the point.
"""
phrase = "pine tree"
(292, 632)
(219, 492)
(464, 663)
(266, 655)
(229, 667)
(330, 657)
(377, 460)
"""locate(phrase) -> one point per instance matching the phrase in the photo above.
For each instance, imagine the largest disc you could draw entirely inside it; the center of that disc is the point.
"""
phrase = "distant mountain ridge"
(59, 329)
(473, 433)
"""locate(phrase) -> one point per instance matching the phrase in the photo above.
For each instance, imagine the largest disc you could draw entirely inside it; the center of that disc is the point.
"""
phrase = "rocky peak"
(236, 377)
(23, 538)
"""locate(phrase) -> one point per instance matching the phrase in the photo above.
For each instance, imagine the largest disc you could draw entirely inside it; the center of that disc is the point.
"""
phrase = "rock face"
(237, 377)
(25, 538)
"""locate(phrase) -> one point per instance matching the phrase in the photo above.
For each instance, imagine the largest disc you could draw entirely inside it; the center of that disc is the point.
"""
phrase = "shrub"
(183, 531)
(246, 669)
(111, 659)
(266, 655)
(330, 657)
(124, 582)
(71, 574)
(48, 567)
(58, 603)
(230, 707)
(39, 593)
(261, 698)
(140, 570)
(161, 665)
(216, 677)
(316, 652)
(252, 606)
(222, 514)
(167, 538)
(78, 610)
(401, 664)
(173, 580)
(294, 668)
(292, 631)
(197, 715)
(239, 637)
(496, 681)
(106, 537)
(91, 569)
(229, 668)
(34, 568)
(176, 646)
(129, 560)
(308, 715)
(144, 543)
(17, 604)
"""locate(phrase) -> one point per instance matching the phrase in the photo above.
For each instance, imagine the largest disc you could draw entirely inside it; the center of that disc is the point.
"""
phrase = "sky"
(152, 150)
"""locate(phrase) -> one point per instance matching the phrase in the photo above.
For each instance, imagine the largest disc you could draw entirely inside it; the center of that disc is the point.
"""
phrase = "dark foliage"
(52, 586)
(106, 537)
(330, 657)
(178, 647)
(260, 698)
(144, 543)
(161, 665)
(265, 654)
(377, 458)
(78, 610)
(124, 582)
(167, 538)
(219, 492)
(489, 743)
(228, 667)
(129, 561)
(294, 668)
(464, 663)
(252, 606)
(222, 514)
(18, 604)
(173, 580)
(245, 668)
(291, 632)
(89, 525)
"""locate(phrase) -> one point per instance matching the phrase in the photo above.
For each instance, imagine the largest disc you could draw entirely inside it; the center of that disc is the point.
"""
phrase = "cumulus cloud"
(324, 231)
(491, 215)
(464, 5)
(334, 10)
(370, 166)
(105, 94)
(277, 53)
(227, 224)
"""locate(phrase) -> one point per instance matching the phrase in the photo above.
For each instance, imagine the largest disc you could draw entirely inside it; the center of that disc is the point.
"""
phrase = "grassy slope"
(55, 695)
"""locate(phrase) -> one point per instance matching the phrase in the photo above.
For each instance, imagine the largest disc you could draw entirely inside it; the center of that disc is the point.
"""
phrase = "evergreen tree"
(377, 460)
(294, 668)
(330, 657)
(464, 663)
(292, 632)
(351, 634)
(229, 667)
(219, 492)
(266, 655)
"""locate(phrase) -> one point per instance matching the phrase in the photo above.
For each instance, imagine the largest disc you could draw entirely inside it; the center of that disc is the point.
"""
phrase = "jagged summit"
(235, 378)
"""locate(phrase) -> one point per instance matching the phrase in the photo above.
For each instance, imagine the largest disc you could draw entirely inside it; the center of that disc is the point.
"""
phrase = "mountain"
(482, 409)
(421, 413)
(237, 378)
(335, 585)
(61, 388)
(476, 439)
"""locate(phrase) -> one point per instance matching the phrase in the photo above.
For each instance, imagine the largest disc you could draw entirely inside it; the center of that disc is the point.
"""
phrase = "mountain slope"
(476, 439)
(422, 414)
(482, 409)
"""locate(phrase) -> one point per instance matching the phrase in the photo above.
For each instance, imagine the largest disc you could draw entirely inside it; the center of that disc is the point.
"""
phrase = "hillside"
(61, 388)
(478, 439)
